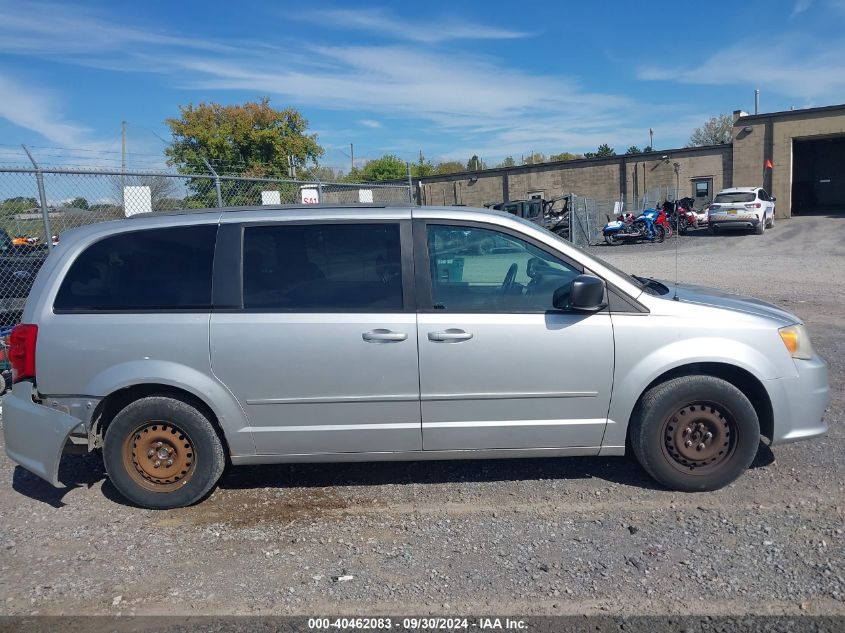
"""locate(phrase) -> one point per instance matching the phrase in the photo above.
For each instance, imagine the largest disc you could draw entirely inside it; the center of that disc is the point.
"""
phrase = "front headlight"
(797, 341)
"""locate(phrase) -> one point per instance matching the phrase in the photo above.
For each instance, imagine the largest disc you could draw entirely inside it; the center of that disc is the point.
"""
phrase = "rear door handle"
(452, 335)
(380, 335)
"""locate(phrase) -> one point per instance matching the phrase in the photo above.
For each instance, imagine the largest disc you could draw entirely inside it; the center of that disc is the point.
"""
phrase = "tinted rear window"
(742, 196)
(330, 267)
(156, 269)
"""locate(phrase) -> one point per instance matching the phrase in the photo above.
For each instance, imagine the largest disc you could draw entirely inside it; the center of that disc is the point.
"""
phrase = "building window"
(701, 189)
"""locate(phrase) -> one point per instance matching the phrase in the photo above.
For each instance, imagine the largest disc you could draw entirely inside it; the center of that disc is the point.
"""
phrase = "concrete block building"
(806, 149)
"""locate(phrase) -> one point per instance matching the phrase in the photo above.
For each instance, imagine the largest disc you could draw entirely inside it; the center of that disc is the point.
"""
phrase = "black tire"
(712, 229)
(178, 428)
(761, 226)
(611, 240)
(659, 233)
(666, 414)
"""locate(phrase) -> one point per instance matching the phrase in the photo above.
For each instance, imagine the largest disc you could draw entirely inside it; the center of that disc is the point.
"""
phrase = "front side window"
(331, 267)
(154, 269)
(482, 270)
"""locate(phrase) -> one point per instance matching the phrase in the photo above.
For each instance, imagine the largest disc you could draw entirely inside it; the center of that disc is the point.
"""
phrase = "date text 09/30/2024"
(417, 623)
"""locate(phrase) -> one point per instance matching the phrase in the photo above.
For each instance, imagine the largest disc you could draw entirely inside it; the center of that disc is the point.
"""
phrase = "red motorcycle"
(681, 214)
(663, 221)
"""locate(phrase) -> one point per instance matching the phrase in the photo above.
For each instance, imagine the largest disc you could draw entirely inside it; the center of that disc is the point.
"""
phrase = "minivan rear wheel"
(162, 453)
(695, 433)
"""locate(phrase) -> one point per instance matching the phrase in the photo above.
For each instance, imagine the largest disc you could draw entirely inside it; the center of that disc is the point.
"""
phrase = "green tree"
(563, 156)
(422, 167)
(321, 173)
(253, 139)
(449, 167)
(507, 162)
(715, 131)
(78, 203)
(535, 158)
(648, 148)
(605, 150)
(474, 163)
(19, 204)
(388, 167)
(633, 150)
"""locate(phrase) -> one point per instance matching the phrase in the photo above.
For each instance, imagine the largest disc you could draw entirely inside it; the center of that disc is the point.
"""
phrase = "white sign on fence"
(309, 196)
(365, 195)
(137, 199)
(271, 197)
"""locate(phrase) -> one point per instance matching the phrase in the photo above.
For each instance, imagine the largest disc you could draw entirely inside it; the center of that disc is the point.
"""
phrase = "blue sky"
(493, 78)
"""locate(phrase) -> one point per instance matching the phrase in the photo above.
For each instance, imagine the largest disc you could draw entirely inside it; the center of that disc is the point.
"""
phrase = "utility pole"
(351, 157)
(123, 164)
(651, 138)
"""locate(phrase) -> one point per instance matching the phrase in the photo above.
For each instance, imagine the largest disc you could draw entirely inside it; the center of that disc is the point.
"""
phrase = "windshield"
(740, 196)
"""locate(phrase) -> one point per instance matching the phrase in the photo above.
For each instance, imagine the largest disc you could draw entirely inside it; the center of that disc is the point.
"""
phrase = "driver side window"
(482, 270)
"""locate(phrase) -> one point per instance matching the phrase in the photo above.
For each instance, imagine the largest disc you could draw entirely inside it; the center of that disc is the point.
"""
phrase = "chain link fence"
(589, 215)
(38, 205)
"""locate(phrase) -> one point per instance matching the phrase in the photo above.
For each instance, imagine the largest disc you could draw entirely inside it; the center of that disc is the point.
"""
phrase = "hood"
(715, 298)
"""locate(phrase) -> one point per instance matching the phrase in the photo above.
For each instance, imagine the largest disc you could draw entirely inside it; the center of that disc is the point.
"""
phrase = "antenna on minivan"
(677, 236)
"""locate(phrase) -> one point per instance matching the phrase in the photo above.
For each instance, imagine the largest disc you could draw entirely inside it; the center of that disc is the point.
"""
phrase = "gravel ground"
(553, 536)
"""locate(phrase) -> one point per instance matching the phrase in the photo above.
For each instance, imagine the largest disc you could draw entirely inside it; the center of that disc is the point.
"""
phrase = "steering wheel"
(510, 276)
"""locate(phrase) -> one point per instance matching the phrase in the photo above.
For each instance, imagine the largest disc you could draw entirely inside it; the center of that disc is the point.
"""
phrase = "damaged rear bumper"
(35, 435)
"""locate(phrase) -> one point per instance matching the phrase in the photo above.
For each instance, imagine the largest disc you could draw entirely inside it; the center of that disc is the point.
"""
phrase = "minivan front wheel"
(695, 433)
(162, 453)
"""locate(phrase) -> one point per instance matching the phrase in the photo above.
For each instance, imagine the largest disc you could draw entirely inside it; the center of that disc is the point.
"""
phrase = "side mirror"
(584, 294)
(774, 199)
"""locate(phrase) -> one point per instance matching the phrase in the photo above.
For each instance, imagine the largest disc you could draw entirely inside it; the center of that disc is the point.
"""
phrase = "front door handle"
(452, 335)
(380, 335)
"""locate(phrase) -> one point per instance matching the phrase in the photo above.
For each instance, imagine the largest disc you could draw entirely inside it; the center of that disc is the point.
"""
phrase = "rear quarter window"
(153, 269)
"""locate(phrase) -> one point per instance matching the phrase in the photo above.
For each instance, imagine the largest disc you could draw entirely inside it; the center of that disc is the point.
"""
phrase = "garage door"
(818, 175)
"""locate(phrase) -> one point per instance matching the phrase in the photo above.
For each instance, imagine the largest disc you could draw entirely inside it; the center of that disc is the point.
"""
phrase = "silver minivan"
(176, 344)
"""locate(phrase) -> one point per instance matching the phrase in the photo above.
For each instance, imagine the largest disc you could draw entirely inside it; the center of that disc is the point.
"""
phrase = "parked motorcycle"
(663, 221)
(644, 228)
(681, 214)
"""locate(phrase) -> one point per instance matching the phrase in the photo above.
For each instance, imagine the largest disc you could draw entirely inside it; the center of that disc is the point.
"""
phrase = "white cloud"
(791, 66)
(800, 6)
(70, 29)
(35, 110)
(425, 31)
(477, 94)
(452, 98)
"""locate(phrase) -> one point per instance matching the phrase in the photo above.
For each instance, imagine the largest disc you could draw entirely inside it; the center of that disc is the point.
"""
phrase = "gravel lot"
(556, 536)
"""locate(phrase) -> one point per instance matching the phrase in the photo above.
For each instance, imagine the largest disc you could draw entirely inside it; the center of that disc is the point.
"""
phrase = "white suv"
(743, 208)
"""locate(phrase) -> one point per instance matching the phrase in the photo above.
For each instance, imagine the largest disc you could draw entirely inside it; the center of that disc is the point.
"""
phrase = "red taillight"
(22, 351)
(752, 205)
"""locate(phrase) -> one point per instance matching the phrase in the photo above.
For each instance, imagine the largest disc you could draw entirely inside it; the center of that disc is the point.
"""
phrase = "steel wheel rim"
(698, 438)
(159, 456)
